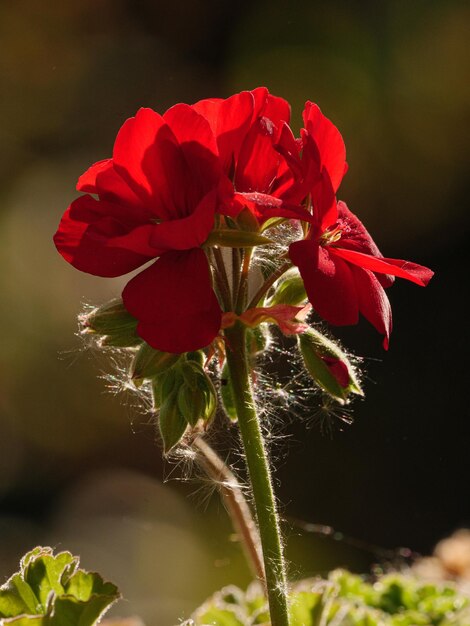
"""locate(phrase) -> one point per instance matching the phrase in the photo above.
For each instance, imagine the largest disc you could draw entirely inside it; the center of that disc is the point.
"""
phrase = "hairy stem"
(260, 475)
(235, 503)
(243, 283)
(268, 283)
(222, 279)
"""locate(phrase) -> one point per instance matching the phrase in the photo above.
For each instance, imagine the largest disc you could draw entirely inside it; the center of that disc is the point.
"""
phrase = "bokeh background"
(79, 467)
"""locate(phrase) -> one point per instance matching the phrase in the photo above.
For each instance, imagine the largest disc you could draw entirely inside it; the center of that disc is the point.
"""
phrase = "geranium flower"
(249, 128)
(157, 197)
(343, 270)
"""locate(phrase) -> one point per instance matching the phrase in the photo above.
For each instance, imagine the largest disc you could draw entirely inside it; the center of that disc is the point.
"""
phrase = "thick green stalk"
(260, 475)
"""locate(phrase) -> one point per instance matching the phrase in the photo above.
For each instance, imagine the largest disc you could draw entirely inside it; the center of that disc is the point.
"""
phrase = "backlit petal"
(174, 302)
(328, 281)
(98, 237)
(373, 302)
(329, 141)
(413, 272)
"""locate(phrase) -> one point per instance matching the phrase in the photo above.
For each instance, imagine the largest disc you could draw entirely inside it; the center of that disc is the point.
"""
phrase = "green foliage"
(51, 590)
(345, 600)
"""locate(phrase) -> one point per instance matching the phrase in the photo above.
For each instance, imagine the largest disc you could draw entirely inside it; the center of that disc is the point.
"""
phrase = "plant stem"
(260, 475)
(222, 279)
(235, 502)
(243, 283)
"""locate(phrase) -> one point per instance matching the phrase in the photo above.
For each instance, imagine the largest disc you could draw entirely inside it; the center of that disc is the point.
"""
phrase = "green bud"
(227, 395)
(231, 238)
(114, 323)
(149, 362)
(172, 423)
(289, 290)
(157, 383)
(328, 365)
(197, 398)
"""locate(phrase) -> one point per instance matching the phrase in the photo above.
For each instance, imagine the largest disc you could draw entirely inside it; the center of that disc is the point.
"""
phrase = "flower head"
(157, 197)
(342, 268)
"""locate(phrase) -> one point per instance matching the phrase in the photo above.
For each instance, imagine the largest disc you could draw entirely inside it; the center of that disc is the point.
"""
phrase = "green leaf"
(17, 597)
(50, 590)
(306, 609)
(220, 617)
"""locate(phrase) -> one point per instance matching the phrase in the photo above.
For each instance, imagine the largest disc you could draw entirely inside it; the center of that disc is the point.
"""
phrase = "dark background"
(79, 469)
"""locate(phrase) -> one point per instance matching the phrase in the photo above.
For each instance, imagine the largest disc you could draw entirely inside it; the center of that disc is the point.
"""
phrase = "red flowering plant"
(236, 224)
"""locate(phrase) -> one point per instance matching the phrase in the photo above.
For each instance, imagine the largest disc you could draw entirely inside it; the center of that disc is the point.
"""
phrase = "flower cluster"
(181, 185)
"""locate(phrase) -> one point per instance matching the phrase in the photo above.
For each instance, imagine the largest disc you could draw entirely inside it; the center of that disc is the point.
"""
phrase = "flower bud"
(289, 290)
(164, 385)
(197, 356)
(171, 422)
(328, 365)
(112, 321)
(149, 362)
(197, 398)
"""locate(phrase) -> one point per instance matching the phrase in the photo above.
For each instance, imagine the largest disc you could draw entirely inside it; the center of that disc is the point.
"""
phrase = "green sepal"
(171, 422)
(289, 289)
(247, 221)
(116, 326)
(149, 362)
(197, 398)
(198, 356)
(226, 394)
(50, 590)
(232, 238)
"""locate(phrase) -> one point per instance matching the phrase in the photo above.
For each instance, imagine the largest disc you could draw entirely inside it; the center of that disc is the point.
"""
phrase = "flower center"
(331, 235)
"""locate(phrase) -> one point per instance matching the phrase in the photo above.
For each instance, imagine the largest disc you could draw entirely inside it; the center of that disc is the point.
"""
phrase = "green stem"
(235, 502)
(260, 475)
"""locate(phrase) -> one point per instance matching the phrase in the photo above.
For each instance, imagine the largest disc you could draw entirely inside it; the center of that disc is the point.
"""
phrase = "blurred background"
(79, 467)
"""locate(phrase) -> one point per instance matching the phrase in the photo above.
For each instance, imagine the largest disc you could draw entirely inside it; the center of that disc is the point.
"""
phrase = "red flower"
(156, 198)
(249, 128)
(342, 268)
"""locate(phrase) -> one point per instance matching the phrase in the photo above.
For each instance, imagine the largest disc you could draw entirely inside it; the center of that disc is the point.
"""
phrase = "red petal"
(329, 141)
(148, 157)
(355, 236)
(273, 107)
(339, 370)
(100, 238)
(174, 302)
(417, 274)
(328, 281)
(229, 120)
(102, 179)
(189, 232)
(373, 302)
(258, 160)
